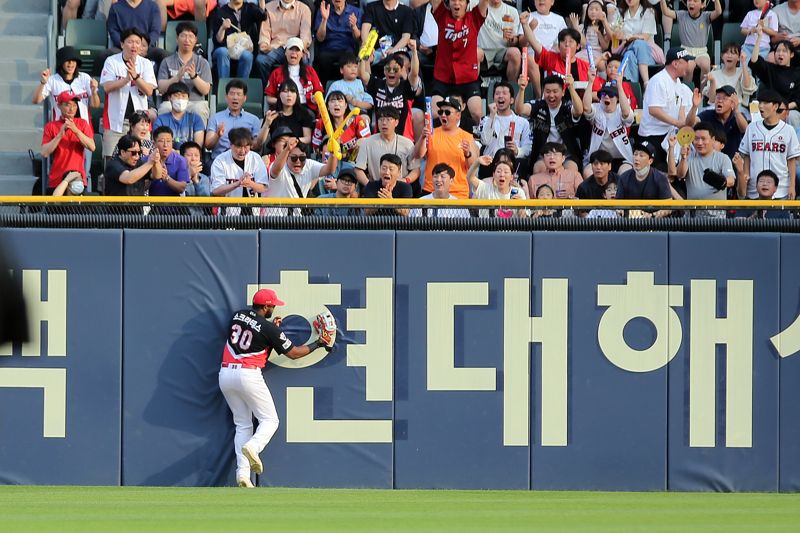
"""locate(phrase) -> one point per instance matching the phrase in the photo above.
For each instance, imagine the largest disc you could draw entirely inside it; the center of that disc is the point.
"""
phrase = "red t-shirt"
(311, 84)
(457, 53)
(68, 155)
(552, 63)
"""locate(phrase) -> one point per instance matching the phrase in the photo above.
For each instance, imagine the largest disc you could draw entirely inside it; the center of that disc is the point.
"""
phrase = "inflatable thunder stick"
(429, 118)
(525, 62)
(326, 121)
(590, 53)
(369, 44)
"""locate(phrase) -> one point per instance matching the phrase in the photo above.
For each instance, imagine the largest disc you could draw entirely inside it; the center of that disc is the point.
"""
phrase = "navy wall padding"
(181, 288)
(89, 454)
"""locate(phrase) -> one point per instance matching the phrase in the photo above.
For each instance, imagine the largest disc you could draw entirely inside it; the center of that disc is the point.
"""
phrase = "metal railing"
(356, 213)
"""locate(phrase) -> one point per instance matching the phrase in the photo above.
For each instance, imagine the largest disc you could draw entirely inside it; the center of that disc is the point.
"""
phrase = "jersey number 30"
(242, 338)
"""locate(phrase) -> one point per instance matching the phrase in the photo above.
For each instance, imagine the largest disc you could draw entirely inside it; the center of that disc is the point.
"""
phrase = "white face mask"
(286, 5)
(180, 104)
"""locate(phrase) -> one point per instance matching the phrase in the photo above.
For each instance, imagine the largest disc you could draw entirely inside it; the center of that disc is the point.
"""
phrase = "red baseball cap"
(67, 96)
(267, 297)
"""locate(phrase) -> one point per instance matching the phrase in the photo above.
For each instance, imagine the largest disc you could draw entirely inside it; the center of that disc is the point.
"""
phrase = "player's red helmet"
(267, 297)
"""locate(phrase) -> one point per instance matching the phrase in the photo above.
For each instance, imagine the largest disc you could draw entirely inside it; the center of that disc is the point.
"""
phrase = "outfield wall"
(597, 361)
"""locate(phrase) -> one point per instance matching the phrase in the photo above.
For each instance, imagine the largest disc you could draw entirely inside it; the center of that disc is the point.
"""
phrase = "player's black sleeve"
(277, 338)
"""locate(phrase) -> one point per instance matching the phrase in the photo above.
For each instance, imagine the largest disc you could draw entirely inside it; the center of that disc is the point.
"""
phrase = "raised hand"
(465, 147)
(324, 10)
(485, 160)
(697, 97)
(45, 76)
(412, 45)
(221, 129)
(575, 20)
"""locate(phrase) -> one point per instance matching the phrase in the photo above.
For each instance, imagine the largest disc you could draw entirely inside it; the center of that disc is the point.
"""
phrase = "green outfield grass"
(112, 509)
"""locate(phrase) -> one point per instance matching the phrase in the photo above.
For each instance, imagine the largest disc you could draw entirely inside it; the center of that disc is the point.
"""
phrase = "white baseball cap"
(295, 42)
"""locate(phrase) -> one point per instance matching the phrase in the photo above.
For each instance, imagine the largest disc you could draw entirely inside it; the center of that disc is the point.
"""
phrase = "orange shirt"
(445, 148)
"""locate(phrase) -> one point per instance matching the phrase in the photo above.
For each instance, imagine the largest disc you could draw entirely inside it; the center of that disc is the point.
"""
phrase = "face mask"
(286, 5)
(180, 104)
(643, 172)
(76, 187)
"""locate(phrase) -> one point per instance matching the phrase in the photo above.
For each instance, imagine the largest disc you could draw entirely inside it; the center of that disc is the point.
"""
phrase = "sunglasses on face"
(135, 152)
(445, 112)
(783, 109)
(297, 158)
(393, 70)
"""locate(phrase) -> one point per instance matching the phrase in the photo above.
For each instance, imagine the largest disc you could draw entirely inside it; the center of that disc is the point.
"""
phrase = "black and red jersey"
(251, 338)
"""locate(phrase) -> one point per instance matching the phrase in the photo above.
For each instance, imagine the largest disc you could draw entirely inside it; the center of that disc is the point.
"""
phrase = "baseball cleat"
(245, 483)
(252, 455)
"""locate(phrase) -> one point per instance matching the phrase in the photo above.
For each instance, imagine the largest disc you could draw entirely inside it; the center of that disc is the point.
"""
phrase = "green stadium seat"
(732, 33)
(90, 39)
(255, 96)
(97, 113)
(171, 40)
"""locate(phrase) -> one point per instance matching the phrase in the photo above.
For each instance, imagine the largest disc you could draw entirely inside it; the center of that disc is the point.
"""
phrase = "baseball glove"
(325, 326)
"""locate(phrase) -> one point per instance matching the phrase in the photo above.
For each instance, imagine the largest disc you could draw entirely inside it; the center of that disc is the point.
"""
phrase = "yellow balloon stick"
(369, 45)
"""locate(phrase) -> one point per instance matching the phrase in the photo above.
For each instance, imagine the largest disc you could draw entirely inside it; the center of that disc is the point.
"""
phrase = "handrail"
(50, 41)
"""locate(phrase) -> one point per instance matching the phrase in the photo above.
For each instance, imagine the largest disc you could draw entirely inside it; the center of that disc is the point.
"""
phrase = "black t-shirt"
(251, 334)
(394, 23)
(299, 119)
(590, 190)
(114, 187)
(401, 98)
(401, 190)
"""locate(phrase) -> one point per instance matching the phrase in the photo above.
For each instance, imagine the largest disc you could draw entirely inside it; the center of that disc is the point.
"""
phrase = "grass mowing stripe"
(122, 509)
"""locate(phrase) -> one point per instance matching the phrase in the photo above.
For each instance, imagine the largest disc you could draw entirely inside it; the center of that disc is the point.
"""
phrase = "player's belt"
(239, 365)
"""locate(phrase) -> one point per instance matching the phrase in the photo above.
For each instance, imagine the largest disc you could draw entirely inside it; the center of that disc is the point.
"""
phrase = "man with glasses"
(126, 174)
(293, 174)
(346, 187)
(448, 144)
(387, 142)
(769, 144)
(170, 173)
(726, 116)
(393, 90)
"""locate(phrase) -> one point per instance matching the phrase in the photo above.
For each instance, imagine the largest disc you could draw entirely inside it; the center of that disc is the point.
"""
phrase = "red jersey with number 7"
(457, 53)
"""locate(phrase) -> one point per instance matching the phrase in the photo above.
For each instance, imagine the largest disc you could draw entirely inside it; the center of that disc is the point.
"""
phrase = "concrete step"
(24, 46)
(12, 163)
(20, 139)
(16, 185)
(22, 69)
(17, 92)
(23, 23)
(26, 116)
(25, 6)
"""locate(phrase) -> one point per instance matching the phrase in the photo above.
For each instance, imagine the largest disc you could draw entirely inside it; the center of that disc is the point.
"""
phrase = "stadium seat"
(637, 92)
(90, 39)
(171, 40)
(732, 33)
(255, 96)
(97, 112)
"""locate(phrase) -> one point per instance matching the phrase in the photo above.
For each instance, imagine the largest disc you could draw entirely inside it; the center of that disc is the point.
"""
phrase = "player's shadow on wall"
(187, 400)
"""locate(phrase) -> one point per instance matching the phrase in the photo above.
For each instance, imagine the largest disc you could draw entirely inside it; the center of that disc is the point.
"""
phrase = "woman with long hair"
(68, 77)
(293, 68)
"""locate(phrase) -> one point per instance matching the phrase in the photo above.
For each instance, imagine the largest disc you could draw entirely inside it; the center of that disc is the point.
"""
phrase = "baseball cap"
(609, 89)
(678, 52)
(295, 42)
(67, 96)
(727, 89)
(279, 132)
(266, 297)
(451, 102)
(178, 87)
(347, 175)
(645, 146)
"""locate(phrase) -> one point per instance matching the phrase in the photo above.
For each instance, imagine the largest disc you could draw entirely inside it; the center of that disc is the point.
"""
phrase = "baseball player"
(769, 144)
(251, 338)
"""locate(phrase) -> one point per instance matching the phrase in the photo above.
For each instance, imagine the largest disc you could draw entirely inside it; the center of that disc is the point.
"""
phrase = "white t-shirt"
(81, 85)
(752, 19)
(548, 28)
(284, 185)
(430, 29)
(503, 16)
(439, 212)
(489, 191)
(663, 92)
(643, 21)
(769, 148)
(294, 75)
(117, 101)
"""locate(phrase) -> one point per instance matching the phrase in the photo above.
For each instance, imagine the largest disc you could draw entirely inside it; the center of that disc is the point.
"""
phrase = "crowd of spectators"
(583, 101)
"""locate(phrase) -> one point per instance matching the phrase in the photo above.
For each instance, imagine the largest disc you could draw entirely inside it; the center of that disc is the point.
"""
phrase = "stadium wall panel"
(575, 361)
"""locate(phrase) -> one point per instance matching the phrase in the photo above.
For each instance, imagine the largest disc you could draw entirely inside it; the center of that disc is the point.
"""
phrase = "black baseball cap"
(678, 52)
(645, 146)
(450, 102)
(279, 132)
(347, 175)
(609, 89)
(727, 89)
